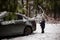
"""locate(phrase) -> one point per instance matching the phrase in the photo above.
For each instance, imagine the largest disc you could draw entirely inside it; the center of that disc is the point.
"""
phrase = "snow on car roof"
(2, 14)
(22, 15)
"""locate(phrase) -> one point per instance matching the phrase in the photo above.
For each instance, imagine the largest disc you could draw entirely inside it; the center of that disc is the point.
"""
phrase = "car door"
(7, 27)
(19, 20)
(12, 27)
(19, 24)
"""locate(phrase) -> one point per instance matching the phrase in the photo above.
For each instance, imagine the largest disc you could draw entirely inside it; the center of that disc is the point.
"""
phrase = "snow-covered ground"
(52, 32)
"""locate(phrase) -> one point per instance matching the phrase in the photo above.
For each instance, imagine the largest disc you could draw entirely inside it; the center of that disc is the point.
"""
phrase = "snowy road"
(52, 32)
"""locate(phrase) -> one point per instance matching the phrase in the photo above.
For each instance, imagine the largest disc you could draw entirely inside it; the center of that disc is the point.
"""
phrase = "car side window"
(19, 17)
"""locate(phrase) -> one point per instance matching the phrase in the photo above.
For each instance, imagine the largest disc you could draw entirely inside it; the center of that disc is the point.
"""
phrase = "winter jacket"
(39, 18)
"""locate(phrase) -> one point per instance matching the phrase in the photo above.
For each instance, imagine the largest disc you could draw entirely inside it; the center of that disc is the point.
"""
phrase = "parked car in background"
(22, 25)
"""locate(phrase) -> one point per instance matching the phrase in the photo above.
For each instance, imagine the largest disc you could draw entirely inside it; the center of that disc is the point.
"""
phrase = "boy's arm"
(45, 17)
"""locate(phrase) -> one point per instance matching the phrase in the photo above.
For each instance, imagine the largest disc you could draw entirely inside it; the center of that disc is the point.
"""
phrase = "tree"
(53, 6)
(9, 6)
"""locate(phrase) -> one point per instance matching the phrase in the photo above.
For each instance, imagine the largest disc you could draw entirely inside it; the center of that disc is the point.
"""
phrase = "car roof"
(19, 14)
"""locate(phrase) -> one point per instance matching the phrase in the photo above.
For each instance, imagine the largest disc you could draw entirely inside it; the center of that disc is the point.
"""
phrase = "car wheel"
(28, 30)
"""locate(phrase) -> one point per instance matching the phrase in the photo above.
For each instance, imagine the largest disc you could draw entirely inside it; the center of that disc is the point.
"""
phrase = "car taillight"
(34, 24)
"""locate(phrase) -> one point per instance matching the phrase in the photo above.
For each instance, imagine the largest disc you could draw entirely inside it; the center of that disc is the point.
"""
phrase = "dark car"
(22, 25)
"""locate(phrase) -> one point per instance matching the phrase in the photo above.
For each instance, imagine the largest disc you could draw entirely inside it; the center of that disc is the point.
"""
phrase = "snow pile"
(52, 32)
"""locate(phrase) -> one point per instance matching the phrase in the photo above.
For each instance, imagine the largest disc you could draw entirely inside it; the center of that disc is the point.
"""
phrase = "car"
(21, 25)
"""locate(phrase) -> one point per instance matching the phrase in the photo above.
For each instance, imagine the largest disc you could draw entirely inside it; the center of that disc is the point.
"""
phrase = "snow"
(2, 14)
(52, 32)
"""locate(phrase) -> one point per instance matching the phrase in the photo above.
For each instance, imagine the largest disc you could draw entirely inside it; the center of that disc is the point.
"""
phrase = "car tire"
(28, 30)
